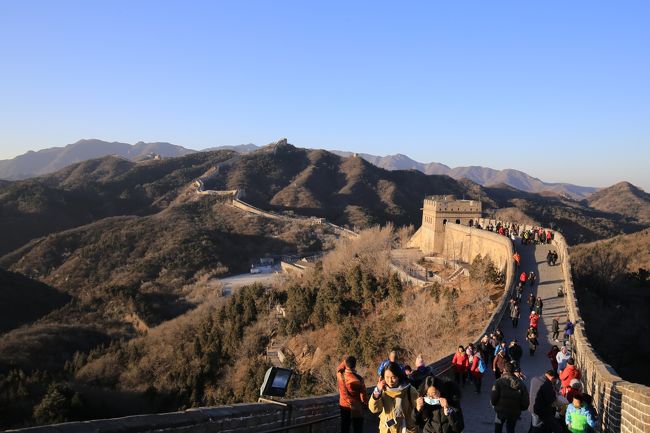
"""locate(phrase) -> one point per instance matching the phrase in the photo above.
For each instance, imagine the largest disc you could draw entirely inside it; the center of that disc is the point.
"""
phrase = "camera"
(391, 422)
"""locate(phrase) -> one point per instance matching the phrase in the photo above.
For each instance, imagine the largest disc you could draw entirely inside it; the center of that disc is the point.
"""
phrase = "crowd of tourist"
(415, 400)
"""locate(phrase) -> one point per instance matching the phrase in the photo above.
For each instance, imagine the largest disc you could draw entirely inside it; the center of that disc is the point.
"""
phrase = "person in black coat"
(509, 397)
(438, 409)
(543, 407)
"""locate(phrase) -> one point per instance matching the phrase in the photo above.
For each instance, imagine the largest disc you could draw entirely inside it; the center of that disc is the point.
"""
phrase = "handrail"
(300, 425)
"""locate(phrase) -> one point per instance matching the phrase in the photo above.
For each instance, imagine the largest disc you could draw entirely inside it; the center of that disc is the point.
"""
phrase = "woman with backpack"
(394, 399)
(477, 369)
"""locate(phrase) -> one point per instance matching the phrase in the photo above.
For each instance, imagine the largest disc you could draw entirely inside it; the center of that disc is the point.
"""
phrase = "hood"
(513, 381)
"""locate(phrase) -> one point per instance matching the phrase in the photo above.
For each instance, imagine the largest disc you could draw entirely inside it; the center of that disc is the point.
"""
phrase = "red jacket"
(460, 362)
(474, 368)
(523, 277)
(534, 318)
(352, 389)
(568, 374)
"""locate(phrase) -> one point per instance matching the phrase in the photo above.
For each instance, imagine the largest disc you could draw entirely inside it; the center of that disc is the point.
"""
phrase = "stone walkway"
(479, 415)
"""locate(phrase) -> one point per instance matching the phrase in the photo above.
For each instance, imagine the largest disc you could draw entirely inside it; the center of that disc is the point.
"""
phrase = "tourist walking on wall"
(514, 315)
(531, 302)
(568, 330)
(534, 320)
(352, 396)
(420, 373)
(460, 363)
(487, 349)
(539, 305)
(438, 409)
(394, 400)
(569, 373)
(578, 416)
(393, 356)
(574, 389)
(532, 340)
(552, 355)
(531, 278)
(542, 405)
(499, 363)
(515, 352)
(509, 397)
(562, 357)
(477, 369)
(556, 329)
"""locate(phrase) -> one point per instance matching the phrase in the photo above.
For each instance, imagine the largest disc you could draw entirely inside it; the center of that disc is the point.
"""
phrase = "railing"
(309, 424)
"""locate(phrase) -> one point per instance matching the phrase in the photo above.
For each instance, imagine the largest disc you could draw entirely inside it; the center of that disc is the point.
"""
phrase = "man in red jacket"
(568, 374)
(352, 395)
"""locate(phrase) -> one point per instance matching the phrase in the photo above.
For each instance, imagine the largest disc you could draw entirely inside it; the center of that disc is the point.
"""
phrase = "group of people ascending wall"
(412, 400)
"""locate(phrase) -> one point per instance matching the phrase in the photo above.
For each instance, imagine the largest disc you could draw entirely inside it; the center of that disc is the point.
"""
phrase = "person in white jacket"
(562, 358)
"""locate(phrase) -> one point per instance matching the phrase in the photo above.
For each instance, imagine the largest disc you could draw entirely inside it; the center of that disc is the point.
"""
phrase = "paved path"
(479, 415)
(230, 284)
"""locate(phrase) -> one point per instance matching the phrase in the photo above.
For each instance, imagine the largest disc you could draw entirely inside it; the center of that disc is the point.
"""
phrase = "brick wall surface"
(622, 406)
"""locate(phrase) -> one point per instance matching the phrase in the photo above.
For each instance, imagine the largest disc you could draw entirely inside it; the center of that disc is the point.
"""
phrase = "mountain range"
(482, 175)
(109, 249)
(49, 160)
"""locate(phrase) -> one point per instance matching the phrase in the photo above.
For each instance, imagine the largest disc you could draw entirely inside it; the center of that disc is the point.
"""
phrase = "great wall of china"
(622, 407)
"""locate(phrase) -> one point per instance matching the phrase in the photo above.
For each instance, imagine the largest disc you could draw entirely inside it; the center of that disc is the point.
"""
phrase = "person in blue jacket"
(393, 356)
(579, 418)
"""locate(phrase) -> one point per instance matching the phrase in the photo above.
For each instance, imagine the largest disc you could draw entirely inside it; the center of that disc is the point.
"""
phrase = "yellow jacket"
(385, 407)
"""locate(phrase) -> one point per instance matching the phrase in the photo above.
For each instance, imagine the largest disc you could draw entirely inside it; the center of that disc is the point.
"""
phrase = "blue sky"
(560, 90)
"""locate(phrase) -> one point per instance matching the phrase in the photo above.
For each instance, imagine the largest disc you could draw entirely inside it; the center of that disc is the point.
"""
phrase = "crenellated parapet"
(622, 406)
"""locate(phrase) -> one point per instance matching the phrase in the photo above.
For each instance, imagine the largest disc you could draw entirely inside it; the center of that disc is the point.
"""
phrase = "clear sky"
(558, 89)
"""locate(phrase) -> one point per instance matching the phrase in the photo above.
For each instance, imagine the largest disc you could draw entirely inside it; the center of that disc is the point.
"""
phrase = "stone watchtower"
(441, 210)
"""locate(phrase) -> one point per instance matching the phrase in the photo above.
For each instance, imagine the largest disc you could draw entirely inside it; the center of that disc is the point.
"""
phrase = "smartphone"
(391, 422)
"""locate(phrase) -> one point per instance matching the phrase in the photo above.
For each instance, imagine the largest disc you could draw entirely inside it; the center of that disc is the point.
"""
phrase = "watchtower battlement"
(440, 210)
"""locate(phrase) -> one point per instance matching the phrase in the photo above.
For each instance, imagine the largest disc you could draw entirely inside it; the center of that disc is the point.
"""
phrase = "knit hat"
(576, 384)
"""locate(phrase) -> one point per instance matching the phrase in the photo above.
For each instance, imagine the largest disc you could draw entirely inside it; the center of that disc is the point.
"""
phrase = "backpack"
(481, 366)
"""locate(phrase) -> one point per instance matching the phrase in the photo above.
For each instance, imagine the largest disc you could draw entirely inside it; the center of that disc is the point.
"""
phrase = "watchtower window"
(444, 221)
(471, 223)
(457, 221)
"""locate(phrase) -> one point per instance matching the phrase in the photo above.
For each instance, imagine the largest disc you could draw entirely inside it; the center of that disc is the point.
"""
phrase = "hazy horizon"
(558, 91)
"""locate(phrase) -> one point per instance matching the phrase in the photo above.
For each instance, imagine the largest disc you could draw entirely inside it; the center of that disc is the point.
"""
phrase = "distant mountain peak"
(52, 159)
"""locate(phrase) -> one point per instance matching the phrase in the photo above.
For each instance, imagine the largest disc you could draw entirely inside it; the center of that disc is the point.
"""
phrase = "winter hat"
(576, 384)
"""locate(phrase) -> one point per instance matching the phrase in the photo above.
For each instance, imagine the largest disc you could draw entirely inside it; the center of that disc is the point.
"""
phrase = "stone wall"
(238, 418)
(622, 406)
(465, 243)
